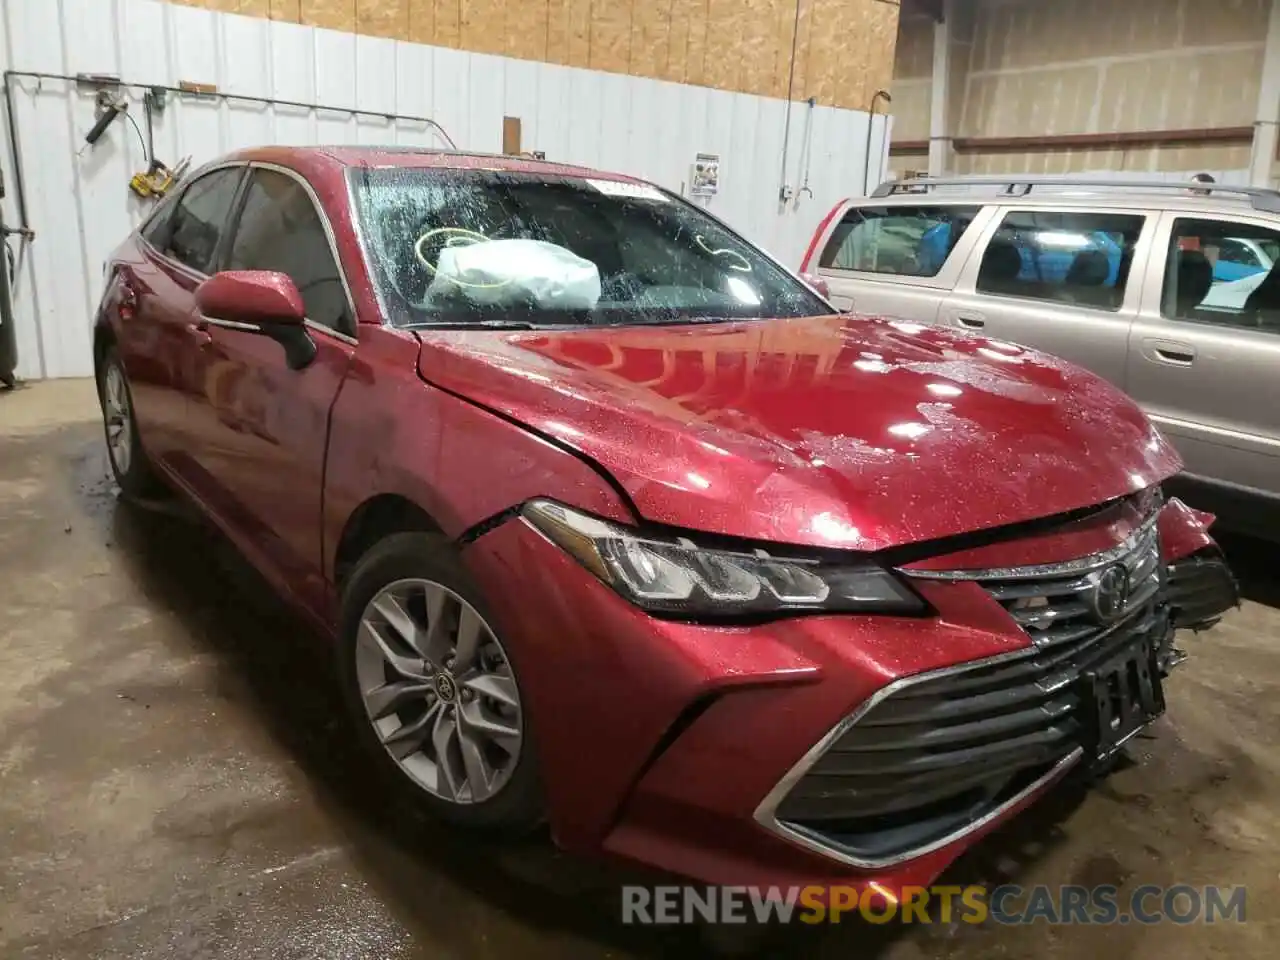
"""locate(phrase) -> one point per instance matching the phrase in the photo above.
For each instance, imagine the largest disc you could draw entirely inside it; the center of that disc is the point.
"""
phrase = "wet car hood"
(826, 431)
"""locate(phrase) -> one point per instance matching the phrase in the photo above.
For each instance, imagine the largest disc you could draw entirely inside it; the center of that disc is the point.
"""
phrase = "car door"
(1204, 353)
(896, 260)
(261, 427)
(161, 343)
(1062, 280)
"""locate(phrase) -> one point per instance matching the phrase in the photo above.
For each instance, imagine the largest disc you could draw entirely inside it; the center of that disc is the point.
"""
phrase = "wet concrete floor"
(174, 782)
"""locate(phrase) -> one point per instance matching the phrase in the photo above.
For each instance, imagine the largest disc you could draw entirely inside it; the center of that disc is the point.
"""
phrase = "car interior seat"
(1000, 267)
(1194, 279)
(1087, 277)
(1263, 305)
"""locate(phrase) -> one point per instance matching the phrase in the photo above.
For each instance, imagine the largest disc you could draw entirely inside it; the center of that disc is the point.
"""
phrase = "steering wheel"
(451, 237)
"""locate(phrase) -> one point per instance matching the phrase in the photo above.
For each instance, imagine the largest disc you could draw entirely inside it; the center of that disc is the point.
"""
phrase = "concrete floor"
(173, 781)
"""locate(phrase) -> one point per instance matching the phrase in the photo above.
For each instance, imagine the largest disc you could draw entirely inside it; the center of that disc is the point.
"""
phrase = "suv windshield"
(495, 248)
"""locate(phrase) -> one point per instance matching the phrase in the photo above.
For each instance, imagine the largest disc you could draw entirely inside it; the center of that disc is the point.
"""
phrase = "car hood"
(826, 431)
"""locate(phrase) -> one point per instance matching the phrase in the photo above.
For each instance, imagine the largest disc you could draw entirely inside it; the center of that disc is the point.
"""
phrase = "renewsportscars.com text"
(1007, 904)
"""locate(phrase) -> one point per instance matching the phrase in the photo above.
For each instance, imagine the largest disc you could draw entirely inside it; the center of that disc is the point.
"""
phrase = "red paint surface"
(827, 432)
(247, 296)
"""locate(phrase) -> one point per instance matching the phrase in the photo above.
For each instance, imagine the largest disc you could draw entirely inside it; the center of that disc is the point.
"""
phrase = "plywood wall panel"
(557, 31)
(482, 26)
(527, 30)
(610, 35)
(289, 10)
(739, 45)
(331, 14)
(682, 12)
(448, 23)
(650, 37)
(579, 33)
(383, 18)
(422, 21)
(696, 47)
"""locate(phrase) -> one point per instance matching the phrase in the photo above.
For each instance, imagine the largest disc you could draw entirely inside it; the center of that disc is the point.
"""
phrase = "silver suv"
(1169, 291)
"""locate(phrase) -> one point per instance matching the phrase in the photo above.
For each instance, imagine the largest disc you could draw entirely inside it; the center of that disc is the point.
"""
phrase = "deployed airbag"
(516, 272)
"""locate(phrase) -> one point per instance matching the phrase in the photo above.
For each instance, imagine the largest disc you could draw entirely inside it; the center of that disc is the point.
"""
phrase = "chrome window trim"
(1065, 568)
(766, 813)
(327, 225)
(160, 254)
(230, 324)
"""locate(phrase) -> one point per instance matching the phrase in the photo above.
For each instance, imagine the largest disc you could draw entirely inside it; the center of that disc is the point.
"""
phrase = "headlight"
(678, 576)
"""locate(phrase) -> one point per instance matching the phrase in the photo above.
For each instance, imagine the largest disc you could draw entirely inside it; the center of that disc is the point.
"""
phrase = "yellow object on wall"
(844, 52)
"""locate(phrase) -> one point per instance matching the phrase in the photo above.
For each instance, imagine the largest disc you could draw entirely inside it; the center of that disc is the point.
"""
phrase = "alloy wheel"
(439, 690)
(119, 418)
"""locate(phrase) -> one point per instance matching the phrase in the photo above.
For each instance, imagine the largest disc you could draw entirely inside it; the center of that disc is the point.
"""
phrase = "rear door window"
(1222, 272)
(195, 226)
(906, 241)
(1063, 257)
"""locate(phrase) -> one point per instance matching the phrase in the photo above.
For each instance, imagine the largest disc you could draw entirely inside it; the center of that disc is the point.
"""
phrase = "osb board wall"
(844, 49)
(1099, 66)
(912, 78)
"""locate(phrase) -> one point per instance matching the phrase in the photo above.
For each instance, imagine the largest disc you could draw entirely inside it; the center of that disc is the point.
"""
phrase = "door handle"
(1173, 352)
(971, 320)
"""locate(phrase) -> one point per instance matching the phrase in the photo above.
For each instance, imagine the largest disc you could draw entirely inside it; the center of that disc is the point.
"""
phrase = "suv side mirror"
(818, 283)
(261, 302)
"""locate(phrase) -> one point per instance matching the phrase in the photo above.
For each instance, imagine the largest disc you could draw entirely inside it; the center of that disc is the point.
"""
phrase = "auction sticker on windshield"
(636, 191)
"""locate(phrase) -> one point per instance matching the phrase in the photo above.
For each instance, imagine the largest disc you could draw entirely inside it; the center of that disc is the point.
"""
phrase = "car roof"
(1093, 197)
(345, 155)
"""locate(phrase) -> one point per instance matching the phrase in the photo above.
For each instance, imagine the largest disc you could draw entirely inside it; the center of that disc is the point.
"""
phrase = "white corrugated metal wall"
(80, 206)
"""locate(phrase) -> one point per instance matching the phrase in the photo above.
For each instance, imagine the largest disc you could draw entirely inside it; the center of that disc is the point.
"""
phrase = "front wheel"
(431, 688)
(129, 464)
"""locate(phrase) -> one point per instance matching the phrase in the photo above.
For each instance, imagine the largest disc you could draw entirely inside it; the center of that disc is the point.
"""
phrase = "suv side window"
(1206, 279)
(1063, 257)
(907, 241)
(191, 232)
(279, 229)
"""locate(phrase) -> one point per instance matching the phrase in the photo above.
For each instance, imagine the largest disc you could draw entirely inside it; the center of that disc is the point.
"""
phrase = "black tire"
(138, 478)
(517, 807)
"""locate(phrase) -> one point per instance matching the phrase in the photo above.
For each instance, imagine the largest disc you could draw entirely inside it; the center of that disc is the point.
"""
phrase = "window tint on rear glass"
(1221, 272)
(196, 223)
(1076, 258)
(908, 241)
(279, 229)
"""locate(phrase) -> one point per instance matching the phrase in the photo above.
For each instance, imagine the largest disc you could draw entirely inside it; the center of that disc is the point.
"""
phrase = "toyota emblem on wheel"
(446, 688)
(1110, 594)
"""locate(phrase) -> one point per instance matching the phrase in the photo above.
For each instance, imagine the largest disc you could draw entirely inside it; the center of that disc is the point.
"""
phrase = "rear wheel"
(129, 462)
(432, 689)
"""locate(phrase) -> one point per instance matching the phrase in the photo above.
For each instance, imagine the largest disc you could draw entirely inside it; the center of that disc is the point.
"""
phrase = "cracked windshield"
(490, 249)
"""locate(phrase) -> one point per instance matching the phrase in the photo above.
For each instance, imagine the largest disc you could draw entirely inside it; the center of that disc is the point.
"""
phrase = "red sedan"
(612, 523)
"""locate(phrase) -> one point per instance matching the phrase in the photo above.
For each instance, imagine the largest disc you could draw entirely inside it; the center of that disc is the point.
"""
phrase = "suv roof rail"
(1259, 198)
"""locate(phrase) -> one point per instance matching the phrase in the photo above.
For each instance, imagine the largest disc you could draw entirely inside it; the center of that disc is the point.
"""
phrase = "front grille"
(932, 754)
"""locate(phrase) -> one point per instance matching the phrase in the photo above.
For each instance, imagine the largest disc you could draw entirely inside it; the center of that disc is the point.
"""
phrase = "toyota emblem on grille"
(1109, 595)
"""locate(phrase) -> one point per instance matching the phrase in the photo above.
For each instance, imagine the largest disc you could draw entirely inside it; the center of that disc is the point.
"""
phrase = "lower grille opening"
(887, 835)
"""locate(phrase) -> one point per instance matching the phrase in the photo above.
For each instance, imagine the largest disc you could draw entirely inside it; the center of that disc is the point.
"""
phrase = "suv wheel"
(432, 689)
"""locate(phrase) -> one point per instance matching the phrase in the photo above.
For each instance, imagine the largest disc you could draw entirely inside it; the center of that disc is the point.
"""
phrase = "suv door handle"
(1169, 351)
(971, 320)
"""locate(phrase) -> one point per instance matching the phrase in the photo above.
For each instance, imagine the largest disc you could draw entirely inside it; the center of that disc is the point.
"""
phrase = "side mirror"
(259, 302)
(818, 283)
